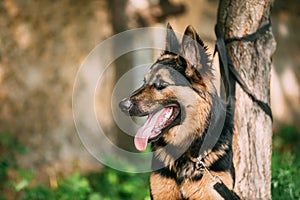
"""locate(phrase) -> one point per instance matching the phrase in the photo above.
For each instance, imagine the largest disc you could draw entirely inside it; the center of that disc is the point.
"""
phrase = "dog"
(180, 100)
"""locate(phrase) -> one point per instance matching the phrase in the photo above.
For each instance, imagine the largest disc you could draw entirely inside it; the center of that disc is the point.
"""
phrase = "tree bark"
(252, 142)
(120, 20)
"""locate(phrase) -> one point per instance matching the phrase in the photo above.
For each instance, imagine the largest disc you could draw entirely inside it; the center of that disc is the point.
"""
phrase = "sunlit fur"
(189, 79)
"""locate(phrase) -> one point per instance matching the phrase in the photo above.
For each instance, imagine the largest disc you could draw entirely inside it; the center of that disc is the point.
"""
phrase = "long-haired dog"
(180, 100)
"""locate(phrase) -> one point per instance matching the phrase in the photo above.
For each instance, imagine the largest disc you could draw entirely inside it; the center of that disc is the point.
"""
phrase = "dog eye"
(159, 84)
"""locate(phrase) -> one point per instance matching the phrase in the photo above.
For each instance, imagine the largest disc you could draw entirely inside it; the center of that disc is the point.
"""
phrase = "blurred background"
(42, 45)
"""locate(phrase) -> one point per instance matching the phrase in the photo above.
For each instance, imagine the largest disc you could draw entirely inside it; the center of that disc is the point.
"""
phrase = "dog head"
(176, 94)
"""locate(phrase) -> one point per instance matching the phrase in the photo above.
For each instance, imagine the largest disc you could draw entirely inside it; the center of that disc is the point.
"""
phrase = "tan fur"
(203, 189)
(166, 188)
(165, 74)
(197, 110)
(162, 155)
(197, 116)
(165, 56)
(182, 178)
(213, 157)
(163, 188)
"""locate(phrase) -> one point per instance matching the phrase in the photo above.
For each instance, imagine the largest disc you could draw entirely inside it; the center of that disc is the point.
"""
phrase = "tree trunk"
(120, 22)
(252, 142)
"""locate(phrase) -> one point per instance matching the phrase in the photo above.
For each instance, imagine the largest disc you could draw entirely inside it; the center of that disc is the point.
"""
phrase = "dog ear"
(172, 43)
(192, 46)
(194, 51)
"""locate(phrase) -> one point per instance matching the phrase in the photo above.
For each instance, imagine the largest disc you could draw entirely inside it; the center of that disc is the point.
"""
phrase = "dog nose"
(125, 105)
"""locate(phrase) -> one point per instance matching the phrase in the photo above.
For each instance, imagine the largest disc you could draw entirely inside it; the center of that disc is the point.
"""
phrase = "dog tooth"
(169, 113)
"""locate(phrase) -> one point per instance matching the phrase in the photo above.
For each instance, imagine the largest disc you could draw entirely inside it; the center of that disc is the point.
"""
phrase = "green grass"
(285, 165)
(110, 184)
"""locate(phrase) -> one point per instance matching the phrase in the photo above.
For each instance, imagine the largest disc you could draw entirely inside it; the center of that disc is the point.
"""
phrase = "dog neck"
(184, 165)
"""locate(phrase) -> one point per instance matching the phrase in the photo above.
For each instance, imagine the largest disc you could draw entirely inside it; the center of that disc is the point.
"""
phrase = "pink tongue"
(147, 130)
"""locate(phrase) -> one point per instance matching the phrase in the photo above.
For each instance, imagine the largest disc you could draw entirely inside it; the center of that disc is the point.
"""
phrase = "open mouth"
(155, 125)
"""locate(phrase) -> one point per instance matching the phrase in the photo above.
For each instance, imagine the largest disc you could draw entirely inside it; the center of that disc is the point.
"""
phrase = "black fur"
(186, 65)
